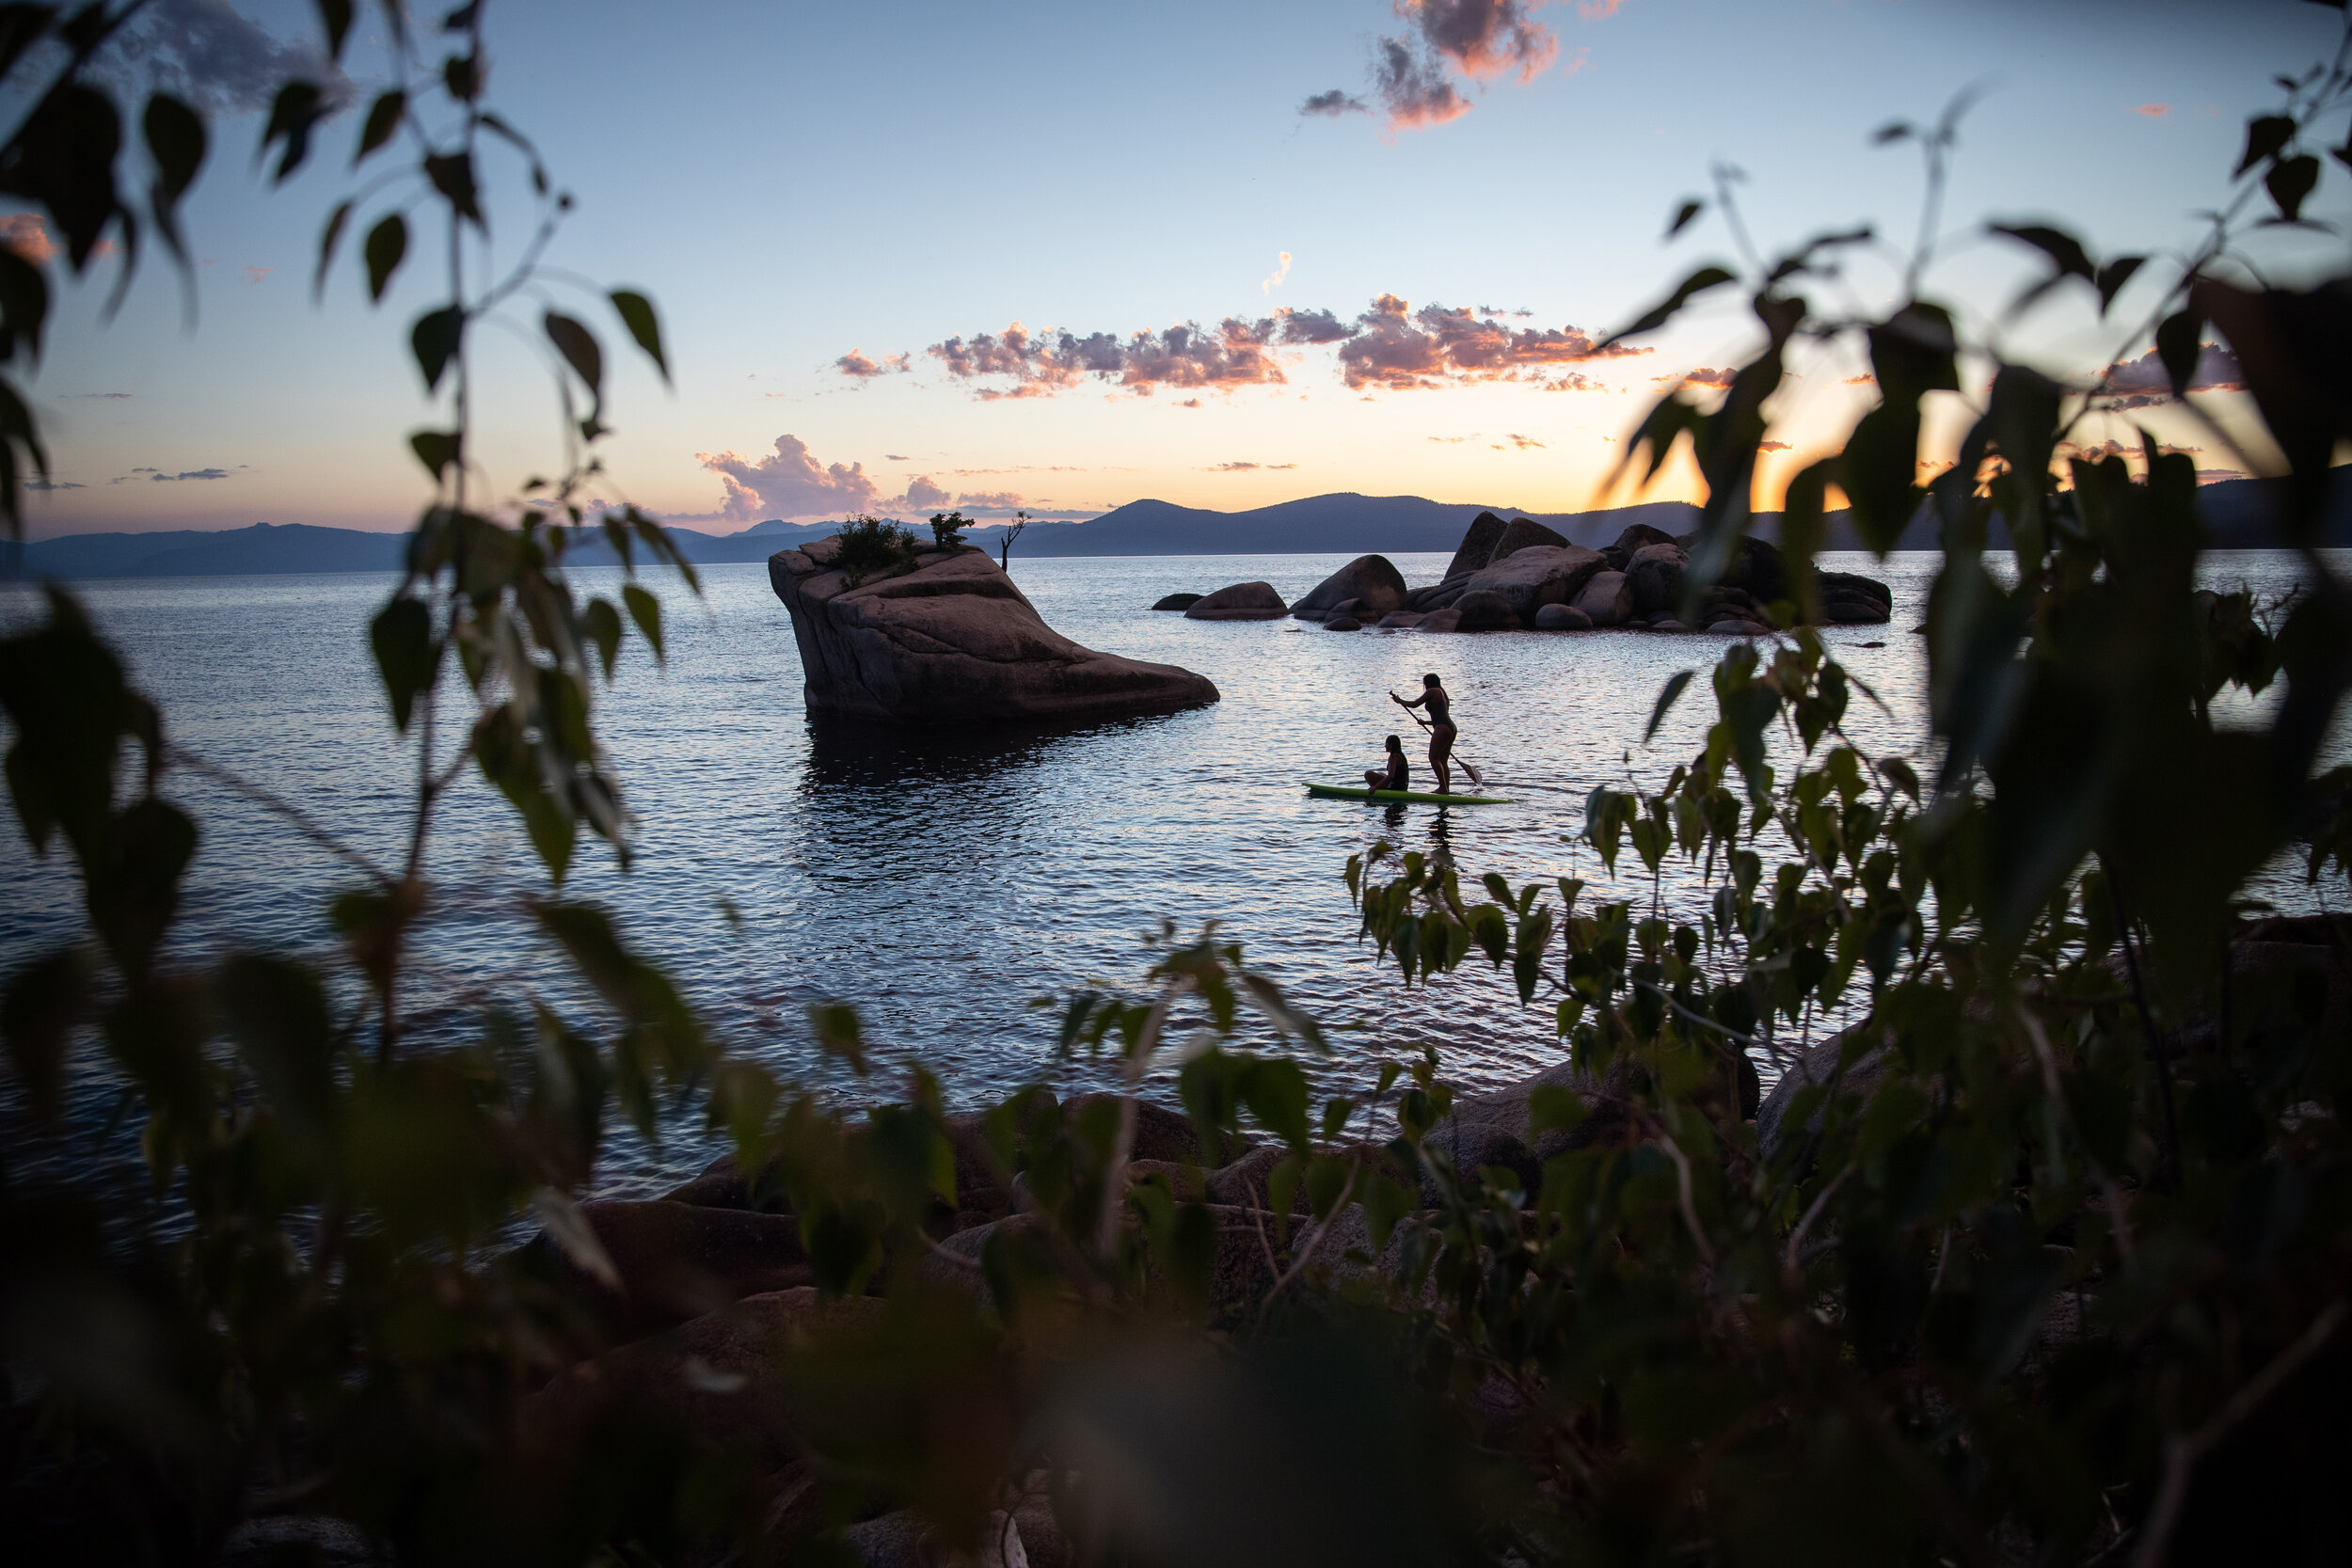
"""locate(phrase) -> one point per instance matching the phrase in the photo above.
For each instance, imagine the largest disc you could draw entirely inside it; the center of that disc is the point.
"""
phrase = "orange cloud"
(2154, 111)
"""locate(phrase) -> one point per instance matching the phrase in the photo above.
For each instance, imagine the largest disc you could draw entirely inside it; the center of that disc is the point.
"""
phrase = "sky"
(1058, 258)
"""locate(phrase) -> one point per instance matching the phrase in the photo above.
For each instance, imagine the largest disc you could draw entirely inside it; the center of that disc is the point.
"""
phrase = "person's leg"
(1375, 779)
(1440, 754)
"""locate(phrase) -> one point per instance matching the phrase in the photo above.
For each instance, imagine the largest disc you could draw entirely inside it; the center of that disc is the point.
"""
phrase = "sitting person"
(1397, 775)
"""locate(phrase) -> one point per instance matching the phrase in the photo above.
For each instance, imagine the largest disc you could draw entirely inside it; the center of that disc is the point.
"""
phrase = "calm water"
(941, 883)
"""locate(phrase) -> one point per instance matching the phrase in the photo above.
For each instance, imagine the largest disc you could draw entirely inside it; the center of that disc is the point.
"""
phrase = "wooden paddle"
(1475, 776)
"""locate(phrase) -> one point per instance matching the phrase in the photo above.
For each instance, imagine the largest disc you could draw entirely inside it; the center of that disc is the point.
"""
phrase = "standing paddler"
(1442, 731)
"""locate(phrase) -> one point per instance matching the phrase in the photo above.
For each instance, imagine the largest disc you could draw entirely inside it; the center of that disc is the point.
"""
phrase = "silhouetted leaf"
(461, 74)
(1690, 208)
(839, 1033)
(329, 239)
(335, 19)
(277, 1012)
(1665, 310)
(579, 347)
(601, 624)
(2289, 182)
(2065, 252)
(1676, 685)
(636, 312)
(407, 655)
(2178, 345)
(297, 110)
(44, 1000)
(2264, 136)
(175, 145)
(2114, 276)
(434, 341)
(437, 450)
(383, 118)
(451, 174)
(388, 243)
(646, 610)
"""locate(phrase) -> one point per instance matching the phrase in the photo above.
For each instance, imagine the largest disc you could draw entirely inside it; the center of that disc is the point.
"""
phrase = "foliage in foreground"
(2047, 1261)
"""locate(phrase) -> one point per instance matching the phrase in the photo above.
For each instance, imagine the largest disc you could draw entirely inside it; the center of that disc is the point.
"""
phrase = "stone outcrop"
(1522, 533)
(1484, 611)
(1477, 546)
(1850, 599)
(1604, 599)
(1242, 601)
(1399, 619)
(1561, 617)
(1178, 601)
(1654, 577)
(1635, 536)
(948, 639)
(1534, 575)
(1372, 581)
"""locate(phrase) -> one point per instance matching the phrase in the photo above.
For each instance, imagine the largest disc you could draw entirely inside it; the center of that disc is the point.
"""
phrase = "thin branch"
(2183, 1452)
(2056, 1092)
(1689, 1208)
(1306, 1252)
(1821, 1201)
(1778, 1052)
(302, 821)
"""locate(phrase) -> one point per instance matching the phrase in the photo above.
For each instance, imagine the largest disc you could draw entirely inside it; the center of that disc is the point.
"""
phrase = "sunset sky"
(1068, 256)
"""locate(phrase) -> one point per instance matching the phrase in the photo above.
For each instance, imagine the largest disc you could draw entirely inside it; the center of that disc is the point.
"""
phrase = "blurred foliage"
(2040, 1253)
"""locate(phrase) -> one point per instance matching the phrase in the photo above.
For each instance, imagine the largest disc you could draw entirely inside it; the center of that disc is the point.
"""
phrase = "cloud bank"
(1411, 77)
(1389, 345)
(790, 482)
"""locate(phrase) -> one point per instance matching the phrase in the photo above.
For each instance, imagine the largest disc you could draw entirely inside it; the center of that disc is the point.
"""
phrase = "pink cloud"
(857, 365)
(28, 236)
(791, 482)
(2154, 111)
(1482, 41)
(2144, 383)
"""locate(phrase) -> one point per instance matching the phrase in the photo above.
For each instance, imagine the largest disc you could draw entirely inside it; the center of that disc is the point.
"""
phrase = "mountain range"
(2236, 514)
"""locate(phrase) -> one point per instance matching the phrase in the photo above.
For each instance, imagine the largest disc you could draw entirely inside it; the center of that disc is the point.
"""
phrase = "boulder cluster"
(1521, 576)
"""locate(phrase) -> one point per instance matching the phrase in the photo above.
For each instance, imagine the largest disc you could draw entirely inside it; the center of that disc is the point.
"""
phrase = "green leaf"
(329, 239)
(2264, 136)
(42, 1003)
(297, 110)
(2178, 346)
(277, 1012)
(646, 610)
(435, 339)
(602, 625)
(839, 1033)
(407, 655)
(2289, 182)
(437, 450)
(1676, 686)
(578, 346)
(383, 118)
(388, 243)
(1665, 310)
(636, 313)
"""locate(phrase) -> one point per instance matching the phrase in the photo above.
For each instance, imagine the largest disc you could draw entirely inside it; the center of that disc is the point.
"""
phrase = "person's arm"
(1402, 703)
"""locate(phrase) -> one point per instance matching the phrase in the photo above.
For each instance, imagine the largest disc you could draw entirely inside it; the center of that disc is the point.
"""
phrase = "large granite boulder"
(1536, 575)
(1561, 617)
(1178, 601)
(1477, 547)
(1604, 599)
(1848, 598)
(1484, 610)
(948, 639)
(1371, 580)
(1635, 537)
(1523, 534)
(1655, 578)
(1753, 565)
(1243, 601)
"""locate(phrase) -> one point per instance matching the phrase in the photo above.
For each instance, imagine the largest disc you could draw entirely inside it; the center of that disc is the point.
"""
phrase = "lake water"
(942, 882)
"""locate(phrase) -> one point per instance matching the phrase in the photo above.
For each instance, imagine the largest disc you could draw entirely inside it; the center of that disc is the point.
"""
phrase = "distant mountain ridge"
(2236, 513)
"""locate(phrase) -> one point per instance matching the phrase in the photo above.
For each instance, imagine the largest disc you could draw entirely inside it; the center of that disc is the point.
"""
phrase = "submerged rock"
(1399, 619)
(1243, 601)
(950, 639)
(1371, 580)
(1178, 601)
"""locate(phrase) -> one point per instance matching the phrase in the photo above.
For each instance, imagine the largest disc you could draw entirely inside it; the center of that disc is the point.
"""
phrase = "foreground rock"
(1372, 581)
(679, 1260)
(1243, 601)
(951, 640)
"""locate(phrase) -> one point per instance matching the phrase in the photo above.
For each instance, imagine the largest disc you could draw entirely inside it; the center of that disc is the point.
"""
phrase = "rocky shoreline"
(1521, 576)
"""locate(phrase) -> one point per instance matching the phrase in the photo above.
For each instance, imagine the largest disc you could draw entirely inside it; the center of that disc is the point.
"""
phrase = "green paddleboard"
(1357, 792)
